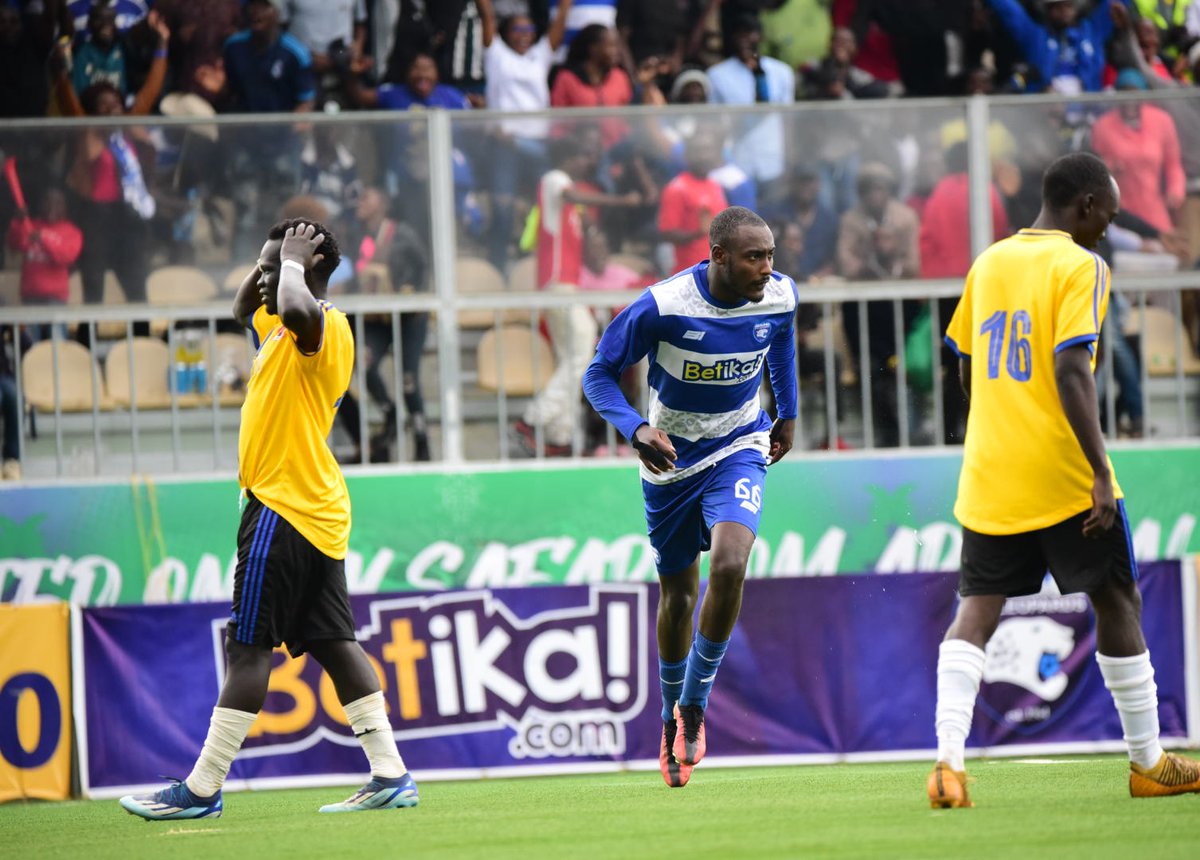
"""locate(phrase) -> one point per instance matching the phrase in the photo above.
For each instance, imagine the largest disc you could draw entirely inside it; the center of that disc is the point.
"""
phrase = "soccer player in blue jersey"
(704, 447)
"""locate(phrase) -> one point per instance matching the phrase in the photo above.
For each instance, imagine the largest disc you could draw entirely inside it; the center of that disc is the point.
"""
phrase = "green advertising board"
(174, 540)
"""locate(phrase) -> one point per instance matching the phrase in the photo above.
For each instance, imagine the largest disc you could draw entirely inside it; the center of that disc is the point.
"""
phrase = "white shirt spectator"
(759, 148)
(518, 82)
(316, 23)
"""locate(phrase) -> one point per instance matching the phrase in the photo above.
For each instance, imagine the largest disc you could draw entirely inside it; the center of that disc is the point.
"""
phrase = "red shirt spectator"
(945, 238)
(49, 245)
(690, 201)
(592, 78)
(1141, 148)
(560, 232)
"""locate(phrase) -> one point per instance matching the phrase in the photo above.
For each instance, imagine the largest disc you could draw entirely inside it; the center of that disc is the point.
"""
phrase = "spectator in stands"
(591, 77)
(1131, 41)
(745, 78)
(572, 329)
(878, 241)
(657, 29)
(320, 24)
(691, 200)
(1140, 145)
(945, 250)
(1176, 22)
(518, 65)
(128, 13)
(421, 88)
(329, 172)
(1066, 53)
(836, 77)
(795, 31)
(584, 14)
(390, 257)
(199, 29)
(23, 90)
(100, 56)
(876, 54)
(107, 176)
(49, 244)
(928, 39)
(267, 70)
(10, 407)
(816, 223)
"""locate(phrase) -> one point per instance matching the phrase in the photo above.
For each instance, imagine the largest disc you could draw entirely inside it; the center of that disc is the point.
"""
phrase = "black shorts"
(1014, 565)
(284, 588)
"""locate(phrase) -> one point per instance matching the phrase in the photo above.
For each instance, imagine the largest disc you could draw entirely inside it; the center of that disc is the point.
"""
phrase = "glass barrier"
(475, 313)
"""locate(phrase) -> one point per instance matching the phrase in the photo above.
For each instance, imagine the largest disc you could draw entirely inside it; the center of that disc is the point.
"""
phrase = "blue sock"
(703, 661)
(670, 677)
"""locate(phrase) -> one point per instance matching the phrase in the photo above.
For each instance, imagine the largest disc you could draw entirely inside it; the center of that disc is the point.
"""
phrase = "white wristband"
(292, 264)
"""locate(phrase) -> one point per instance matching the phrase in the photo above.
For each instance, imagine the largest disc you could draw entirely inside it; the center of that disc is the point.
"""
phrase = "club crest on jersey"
(762, 331)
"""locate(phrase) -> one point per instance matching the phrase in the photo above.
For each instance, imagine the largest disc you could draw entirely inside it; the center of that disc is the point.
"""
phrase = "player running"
(704, 449)
(1037, 490)
(290, 580)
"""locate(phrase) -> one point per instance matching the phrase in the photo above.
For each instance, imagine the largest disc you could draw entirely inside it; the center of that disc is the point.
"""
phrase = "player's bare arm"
(1077, 392)
(248, 298)
(964, 375)
(783, 431)
(298, 309)
(655, 449)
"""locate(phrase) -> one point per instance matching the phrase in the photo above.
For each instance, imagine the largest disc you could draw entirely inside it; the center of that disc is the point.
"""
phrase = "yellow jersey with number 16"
(291, 401)
(1026, 299)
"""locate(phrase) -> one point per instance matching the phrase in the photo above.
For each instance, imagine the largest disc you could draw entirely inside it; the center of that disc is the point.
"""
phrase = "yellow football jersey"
(1026, 298)
(291, 401)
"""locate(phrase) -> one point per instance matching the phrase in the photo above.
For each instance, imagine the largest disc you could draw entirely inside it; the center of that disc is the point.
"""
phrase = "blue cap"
(1131, 79)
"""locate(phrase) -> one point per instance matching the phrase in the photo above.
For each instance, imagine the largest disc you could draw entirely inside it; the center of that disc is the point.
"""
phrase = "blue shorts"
(680, 515)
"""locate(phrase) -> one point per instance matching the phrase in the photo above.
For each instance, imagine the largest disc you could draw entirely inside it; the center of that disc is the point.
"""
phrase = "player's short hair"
(1074, 174)
(328, 249)
(728, 221)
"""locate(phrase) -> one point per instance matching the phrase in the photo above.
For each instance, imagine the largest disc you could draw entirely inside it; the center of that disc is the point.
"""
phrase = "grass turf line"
(1073, 807)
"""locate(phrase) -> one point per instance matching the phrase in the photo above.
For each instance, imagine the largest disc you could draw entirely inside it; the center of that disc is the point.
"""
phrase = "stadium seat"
(151, 368)
(1159, 329)
(523, 350)
(522, 277)
(477, 275)
(113, 295)
(177, 285)
(76, 366)
(234, 350)
(235, 277)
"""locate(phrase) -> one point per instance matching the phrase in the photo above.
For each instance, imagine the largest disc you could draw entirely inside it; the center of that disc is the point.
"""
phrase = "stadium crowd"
(856, 196)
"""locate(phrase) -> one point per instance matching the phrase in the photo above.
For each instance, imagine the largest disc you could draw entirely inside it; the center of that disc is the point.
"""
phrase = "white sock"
(1131, 682)
(226, 731)
(368, 719)
(959, 671)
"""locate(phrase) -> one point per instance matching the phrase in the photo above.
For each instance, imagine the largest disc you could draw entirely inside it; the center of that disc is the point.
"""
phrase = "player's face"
(1097, 216)
(268, 274)
(747, 263)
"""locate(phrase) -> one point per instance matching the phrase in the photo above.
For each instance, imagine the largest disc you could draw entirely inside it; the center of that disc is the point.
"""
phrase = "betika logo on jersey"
(558, 682)
(1035, 659)
(730, 369)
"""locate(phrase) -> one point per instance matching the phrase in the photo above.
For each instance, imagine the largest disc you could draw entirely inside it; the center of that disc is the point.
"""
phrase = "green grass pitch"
(1025, 808)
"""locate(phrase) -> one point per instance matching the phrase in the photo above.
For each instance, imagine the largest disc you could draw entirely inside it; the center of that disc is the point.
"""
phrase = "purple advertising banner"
(567, 675)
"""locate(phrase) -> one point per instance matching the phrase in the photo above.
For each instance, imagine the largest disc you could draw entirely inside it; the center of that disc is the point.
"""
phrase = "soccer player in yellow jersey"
(1037, 490)
(290, 580)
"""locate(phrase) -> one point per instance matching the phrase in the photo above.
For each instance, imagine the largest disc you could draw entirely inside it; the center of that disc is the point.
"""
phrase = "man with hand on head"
(290, 582)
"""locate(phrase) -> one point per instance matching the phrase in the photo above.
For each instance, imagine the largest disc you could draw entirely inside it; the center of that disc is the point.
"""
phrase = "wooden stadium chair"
(1158, 329)
(234, 279)
(177, 285)
(522, 277)
(519, 346)
(477, 275)
(151, 369)
(113, 295)
(75, 364)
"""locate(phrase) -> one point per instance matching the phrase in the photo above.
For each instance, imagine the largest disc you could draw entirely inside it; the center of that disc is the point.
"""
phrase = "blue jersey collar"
(700, 273)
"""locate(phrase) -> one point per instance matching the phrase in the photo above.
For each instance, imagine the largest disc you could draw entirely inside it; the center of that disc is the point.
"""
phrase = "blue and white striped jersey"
(706, 363)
